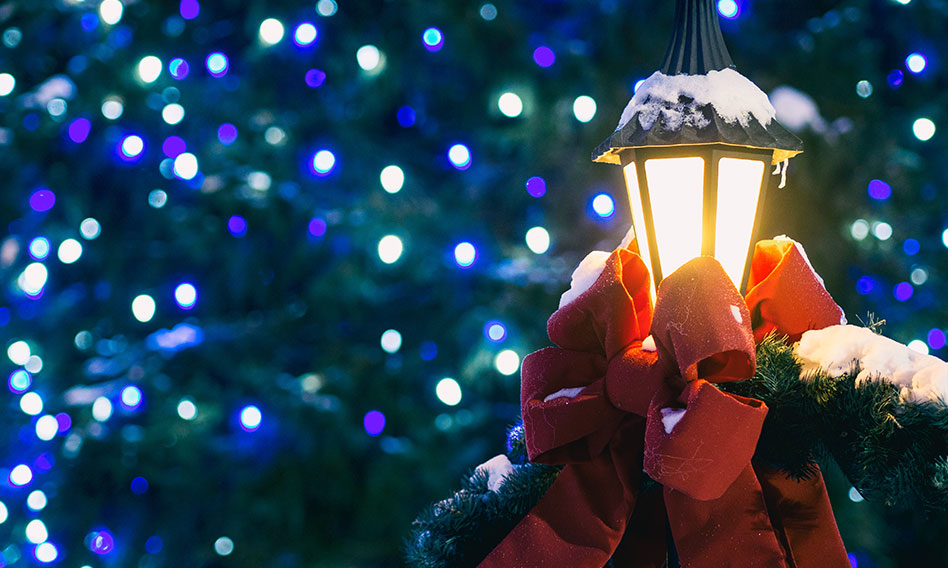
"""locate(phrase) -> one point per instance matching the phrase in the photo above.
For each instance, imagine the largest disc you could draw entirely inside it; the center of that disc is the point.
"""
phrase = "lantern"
(696, 143)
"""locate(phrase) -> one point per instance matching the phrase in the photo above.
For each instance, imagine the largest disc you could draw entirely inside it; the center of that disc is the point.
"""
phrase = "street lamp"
(695, 143)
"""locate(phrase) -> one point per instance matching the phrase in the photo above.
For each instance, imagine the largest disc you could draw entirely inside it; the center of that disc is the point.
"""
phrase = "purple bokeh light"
(544, 56)
(79, 130)
(315, 78)
(903, 291)
(865, 285)
(536, 186)
(879, 190)
(373, 422)
(101, 542)
(237, 226)
(42, 199)
(317, 227)
(189, 9)
(227, 133)
(179, 68)
(64, 421)
(173, 146)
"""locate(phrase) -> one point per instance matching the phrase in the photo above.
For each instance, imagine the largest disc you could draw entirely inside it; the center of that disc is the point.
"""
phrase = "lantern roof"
(698, 97)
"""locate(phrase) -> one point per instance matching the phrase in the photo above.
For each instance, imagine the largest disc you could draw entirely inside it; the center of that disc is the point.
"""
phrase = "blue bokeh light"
(428, 350)
(730, 9)
(433, 39)
(373, 422)
(894, 78)
(903, 291)
(879, 190)
(315, 78)
(153, 545)
(100, 541)
(39, 248)
(131, 397)
(495, 331)
(911, 247)
(865, 285)
(237, 226)
(317, 227)
(217, 64)
(250, 418)
(139, 485)
(178, 68)
(19, 381)
(916, 63)
(406, 116)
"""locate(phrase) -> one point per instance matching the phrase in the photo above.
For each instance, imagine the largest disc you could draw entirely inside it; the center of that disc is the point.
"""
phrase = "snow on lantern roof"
(717, 107)
(698, 98)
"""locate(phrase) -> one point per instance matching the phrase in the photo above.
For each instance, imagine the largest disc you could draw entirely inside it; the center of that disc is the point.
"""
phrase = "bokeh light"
(465, 254)
(918, 346)
(237, 226)
(538, 240)
(43, 199)
(536, 186)
(323, 162)
(923, 128)
(326, 8)
(101, 541)
(604, 205)
(305, 34)
(392, 179)
(879, 190)
(864, 89)
(149, 69)
(101, 409)
(185, 166)
(510, 104)
(39, 248)
(373, 422)
(882, 230)
(187, 410)
(433, 39)
(936, 338)
(916, 62)
(730, 9)
(507, 362)
(19, 352)
(46, 552)
(544, 56)
(903, 291)
(911, 247)
(131, 397)
(460, 156)
(179, 68)
(227, 134)
(90, 229)
(19, 381)
(4, 513)
(79, 130)
(448, 391)
(271, 31)
(131, 147)
(21, 475)
(36, 501)
(315, 78)
(224, 546)
(189, 9)
(495, 331)
(217, 64)
(47, 427)
(584, 108)
(317, 227)
(185, 295)
(7, 84)
(143, 308)
(31, 403)
(110, 11)
(36, 531)
(172, 114)
(859, 229)
(250, 418)
(391, 341)
(390, 249)
(369, 58)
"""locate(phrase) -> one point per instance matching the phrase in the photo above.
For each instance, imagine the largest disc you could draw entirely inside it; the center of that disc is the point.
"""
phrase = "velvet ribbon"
(722, 509)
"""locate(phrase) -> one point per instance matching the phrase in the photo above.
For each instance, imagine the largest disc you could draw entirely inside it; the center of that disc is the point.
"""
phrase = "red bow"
(722, 509)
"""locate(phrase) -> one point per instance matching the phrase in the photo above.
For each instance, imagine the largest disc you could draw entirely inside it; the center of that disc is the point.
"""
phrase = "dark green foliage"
(460, 531)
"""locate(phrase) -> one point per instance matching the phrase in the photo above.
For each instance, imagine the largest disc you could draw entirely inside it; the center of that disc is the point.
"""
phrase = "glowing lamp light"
(692, 199)
(250, 418)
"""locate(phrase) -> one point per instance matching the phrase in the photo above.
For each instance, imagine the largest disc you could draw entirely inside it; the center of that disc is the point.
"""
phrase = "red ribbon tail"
(803, 519)
(732, 530)
(581, 519)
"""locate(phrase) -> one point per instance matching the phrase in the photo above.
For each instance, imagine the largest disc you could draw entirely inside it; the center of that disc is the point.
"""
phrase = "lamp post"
(695, 143)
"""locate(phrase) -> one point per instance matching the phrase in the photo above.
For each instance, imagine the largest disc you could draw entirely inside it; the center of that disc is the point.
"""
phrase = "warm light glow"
(638, 221)
(676, 192)
(739, 183)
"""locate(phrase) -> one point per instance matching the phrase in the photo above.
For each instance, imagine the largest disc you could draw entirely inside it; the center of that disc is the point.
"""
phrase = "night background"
(267, 284)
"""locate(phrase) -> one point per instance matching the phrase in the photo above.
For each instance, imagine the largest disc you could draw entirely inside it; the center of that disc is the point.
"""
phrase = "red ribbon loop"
(605, 407)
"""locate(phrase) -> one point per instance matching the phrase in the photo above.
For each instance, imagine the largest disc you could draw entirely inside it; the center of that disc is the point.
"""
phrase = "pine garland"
(892, 451)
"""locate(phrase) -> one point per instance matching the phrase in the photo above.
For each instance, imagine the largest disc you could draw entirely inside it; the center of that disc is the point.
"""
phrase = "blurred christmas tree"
(269, 267)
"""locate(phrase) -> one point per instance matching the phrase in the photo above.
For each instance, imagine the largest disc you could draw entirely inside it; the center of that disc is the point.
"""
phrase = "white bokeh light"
(187, 409)
(172, 114)
(538, 239)
(143, 308)
(391, 341)
(185, 166)
(102, 409)
(392, 179)
(271, 31)
(31, 403)
(90, 229)
(19, 352)
(507, 362)
(369, 58)
(510, 105)
(924, 129)
(390, 249)
(918, 346)
(584, 108)
(36, 500)
(33, 278)
(69, 251)
(21, 475)
(36, 531)
(47, 427)
(7, 83)
(110, 11)
(448, 391)
(149, 69)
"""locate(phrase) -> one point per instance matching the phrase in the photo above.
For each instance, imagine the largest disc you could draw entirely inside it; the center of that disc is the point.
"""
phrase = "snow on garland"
(893, 448)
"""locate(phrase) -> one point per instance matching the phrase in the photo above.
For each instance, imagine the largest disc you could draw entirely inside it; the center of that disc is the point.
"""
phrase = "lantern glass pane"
(739, 183)
(676, 193)
(638, 219)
